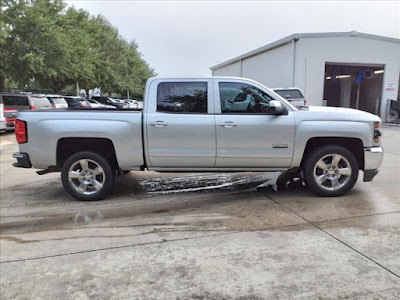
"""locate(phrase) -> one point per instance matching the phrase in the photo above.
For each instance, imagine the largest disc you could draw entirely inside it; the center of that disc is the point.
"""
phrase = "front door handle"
(159, 124)
(228, 124)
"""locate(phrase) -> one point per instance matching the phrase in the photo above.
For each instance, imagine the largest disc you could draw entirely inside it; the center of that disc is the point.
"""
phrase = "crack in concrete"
(331, 235)
(392, 153)
(116, 247)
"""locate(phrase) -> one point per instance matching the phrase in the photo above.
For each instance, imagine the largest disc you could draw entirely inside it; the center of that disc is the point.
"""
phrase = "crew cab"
(187, 126)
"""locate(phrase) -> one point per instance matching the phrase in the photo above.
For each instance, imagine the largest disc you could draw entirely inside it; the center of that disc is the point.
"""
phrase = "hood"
(327, 113)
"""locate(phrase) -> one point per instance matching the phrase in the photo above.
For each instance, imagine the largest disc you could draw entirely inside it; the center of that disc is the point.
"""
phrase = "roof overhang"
(297, 36)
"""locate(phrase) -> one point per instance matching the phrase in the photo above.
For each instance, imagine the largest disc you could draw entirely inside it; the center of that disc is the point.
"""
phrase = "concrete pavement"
(163, 237)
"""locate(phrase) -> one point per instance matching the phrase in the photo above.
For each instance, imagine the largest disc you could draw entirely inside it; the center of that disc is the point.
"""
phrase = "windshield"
(289, 94)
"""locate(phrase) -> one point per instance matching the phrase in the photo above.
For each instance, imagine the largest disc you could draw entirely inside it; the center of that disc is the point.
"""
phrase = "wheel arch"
(354, 145)
(70, 145)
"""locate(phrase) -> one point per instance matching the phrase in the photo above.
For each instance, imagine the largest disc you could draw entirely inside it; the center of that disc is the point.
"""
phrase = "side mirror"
(276, 107)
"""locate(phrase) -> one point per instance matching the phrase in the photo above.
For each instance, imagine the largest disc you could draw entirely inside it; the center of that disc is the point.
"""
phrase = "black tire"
(324, 189)
(93, 158)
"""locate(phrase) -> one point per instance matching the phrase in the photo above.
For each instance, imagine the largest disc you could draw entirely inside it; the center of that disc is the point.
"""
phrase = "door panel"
(181, 133)
(181, 141)
(249, 135)
(254, 140)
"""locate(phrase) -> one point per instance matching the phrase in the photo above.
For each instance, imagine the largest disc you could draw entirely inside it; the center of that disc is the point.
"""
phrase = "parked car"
(57, 101)
(110, 101)
(10, 116)
(7, 118)
(133, 104)
(76, 102)
(293, 95)
(25, 101)
(3, 126)
(95, 104)
(184, 127)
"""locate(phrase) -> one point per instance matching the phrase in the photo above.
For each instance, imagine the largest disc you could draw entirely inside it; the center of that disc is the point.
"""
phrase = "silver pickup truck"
(201, 124)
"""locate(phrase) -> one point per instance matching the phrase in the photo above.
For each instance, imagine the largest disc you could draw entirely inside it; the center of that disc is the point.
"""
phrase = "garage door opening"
(354, 86)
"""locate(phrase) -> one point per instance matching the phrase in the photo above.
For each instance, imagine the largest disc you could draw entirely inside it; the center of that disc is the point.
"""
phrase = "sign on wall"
(389, 87)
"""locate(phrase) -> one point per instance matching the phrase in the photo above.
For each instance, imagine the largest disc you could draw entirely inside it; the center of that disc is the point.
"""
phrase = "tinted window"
(243, 98)
(289, 94)
(100, 99)
(72, 102)
(58, 100)
(15, 100)
(183, 97)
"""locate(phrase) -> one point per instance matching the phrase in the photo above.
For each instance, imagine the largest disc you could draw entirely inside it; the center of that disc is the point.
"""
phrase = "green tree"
(35, 44)
(44, 43)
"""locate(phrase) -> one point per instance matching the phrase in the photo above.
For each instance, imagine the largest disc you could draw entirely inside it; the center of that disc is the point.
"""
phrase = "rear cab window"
(289, 93)
(182, 97)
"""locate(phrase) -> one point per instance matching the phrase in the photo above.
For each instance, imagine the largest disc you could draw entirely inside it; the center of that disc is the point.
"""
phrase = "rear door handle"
(159, 124)
(228, 124)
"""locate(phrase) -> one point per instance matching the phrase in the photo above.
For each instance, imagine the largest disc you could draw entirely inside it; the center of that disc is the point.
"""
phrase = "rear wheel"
(331, 171)
(87, 176)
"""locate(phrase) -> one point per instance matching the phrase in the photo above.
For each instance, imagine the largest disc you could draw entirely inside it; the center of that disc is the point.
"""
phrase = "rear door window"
(58, 100)
(15, 100)
(40, 101)
(182, 97)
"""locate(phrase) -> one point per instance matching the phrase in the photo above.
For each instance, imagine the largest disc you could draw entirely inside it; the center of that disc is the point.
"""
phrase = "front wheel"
(331, 171)
(87, 176)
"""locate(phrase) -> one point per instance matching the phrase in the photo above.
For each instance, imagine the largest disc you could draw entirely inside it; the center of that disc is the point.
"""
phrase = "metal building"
(348, 69)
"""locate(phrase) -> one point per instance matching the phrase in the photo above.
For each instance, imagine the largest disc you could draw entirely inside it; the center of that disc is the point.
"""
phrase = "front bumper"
(23, 160)
(373, 157)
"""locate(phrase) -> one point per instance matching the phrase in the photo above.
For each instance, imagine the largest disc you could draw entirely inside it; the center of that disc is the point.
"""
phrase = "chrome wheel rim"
(332, 172)
(86, 177)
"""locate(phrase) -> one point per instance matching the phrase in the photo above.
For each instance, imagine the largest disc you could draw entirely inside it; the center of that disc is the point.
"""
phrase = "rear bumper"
(373, 157)
(23, 160)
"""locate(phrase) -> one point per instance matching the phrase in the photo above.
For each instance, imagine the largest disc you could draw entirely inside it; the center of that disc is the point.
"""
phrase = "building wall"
(273, 68)
(313, 53)
(229, 70)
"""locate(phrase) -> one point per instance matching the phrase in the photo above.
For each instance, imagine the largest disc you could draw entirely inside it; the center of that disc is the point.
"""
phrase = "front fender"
(338, 129)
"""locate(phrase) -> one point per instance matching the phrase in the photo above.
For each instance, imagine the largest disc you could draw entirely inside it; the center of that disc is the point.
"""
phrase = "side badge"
(280, 146)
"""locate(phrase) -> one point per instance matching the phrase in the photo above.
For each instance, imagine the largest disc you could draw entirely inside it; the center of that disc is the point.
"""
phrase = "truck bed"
(122, 127)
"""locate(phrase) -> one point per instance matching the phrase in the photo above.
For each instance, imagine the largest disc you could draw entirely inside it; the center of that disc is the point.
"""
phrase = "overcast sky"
(188, 37)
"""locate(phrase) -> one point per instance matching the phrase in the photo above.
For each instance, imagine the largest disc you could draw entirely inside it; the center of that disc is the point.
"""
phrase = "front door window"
(243, 98)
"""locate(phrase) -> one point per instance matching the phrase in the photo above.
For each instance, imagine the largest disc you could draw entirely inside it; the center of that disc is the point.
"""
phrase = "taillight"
(305, 102)
(21, 131)
(53, 105)
(32, 107)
